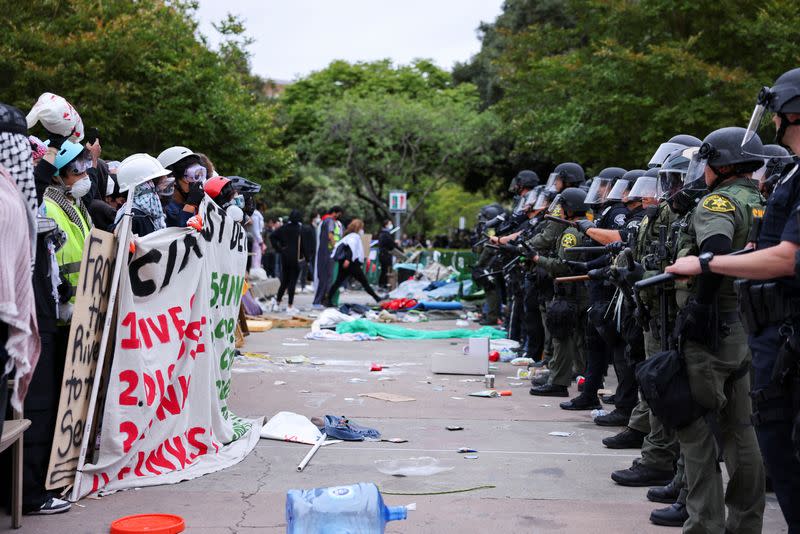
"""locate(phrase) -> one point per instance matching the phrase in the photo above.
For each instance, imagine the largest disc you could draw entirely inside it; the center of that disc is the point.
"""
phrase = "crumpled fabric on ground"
(339, 427)
(330, 335)
(329, 318)
(357, 309)
(390, 331)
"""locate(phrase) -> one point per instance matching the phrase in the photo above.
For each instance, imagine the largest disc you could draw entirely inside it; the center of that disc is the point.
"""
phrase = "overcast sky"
(296, 37)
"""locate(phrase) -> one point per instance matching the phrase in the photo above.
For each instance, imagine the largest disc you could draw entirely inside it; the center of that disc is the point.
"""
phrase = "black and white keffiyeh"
(15, 156)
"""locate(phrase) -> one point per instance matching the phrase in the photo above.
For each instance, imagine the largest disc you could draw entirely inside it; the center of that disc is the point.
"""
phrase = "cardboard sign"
(166, 416)
(88, 316)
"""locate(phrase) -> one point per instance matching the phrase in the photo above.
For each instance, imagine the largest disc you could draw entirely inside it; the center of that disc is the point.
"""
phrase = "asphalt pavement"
(523, 479)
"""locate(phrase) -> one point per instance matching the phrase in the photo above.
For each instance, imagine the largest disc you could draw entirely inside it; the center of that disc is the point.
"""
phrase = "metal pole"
(397, 225)
(311, 453)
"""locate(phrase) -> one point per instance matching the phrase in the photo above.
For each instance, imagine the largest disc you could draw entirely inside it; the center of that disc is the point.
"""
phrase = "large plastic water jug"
(356, 509)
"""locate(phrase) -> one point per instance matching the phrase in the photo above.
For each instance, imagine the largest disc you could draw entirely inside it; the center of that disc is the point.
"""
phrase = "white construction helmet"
(137, 169)
(173, 155)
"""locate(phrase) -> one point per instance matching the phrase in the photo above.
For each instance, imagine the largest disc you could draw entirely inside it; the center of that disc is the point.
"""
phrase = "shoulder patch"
(619, 219)
(718, 204)
(644, 222)
(568, 240)
(558, 212)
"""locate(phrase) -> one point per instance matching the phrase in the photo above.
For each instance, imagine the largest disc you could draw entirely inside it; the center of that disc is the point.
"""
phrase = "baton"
(566, 279)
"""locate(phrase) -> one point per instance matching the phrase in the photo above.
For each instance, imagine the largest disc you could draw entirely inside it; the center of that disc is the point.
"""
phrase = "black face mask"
(686, 199)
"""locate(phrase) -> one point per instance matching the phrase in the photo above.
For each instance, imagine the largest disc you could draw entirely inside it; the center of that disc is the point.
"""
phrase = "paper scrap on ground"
(412, 467)
(390, 397)
(294, 344)
(561, 434)
(487, 393)
(292, 427)
(296, 359)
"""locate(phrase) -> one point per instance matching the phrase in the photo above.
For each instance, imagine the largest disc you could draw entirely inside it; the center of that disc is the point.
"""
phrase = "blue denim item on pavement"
(339, 427)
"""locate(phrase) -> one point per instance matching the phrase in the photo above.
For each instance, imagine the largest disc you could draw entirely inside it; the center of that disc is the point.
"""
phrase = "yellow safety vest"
(69, 257)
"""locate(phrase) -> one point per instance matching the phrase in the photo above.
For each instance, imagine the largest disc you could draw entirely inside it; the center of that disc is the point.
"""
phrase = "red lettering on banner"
(162, 331)
(139, 461)
(156, 459)
(125, 398)
(199, 445)
(176, 449)
(177, 321)
(132, 341)
(169, 402)
(123, 473)
(149, 389)
(184, 382)
(145, 334)
(95, 483)
(129, 429)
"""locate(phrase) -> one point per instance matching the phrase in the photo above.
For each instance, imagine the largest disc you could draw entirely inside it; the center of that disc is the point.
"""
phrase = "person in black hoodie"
(288, 241)
(386, 244)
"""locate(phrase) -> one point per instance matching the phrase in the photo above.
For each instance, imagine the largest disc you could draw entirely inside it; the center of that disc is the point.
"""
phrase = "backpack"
(664, 382)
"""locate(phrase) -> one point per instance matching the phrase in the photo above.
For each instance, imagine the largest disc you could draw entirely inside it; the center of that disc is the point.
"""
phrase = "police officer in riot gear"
(711, 340)
(564, 314)
(770, 307)
(488, 218)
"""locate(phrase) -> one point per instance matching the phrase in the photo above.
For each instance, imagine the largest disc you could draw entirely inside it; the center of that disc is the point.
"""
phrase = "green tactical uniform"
(566, 350)
(491, 292)
(546, 242)
(660, 448)
(728, 211)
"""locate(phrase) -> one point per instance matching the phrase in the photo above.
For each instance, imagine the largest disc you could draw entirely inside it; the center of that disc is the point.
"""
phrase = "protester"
(144, 173)
(189, 176)
(309, 243)
(386, 244)
(349, 253)
(329, 232)
(259, 247)
(288, 241)
(221, 191)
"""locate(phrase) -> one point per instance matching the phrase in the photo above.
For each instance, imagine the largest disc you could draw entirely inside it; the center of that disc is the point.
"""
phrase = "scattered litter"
(412, 467)
(342, 428)
(522, 361)
(395, 440)
(438, 388)
(598, 413)
(505, 393)
(461, 323)
(516, 384)
(454, 428)
(463, 450)
(561, 434)
(351, 400)
(296, 428)
(545, 405)
(471, 380)
(279, 383)
(493, 368)
(375, 367)
(304, 391)
(487, 393)
(254, 325)
(524, 374)
(444, 492)
(494, 356)
(457, 398)
(79, 505)
(390, 397)
(471, 457)
(356, 380)
(294, 344)
(259, 355)
(304, 462)
(296, 359)
(386, 379)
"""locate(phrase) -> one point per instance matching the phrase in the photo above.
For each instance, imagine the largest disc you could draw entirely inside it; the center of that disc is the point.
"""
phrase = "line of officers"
(684, 278)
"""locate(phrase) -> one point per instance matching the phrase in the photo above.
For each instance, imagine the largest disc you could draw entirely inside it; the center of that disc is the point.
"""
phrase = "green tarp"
(390, 331)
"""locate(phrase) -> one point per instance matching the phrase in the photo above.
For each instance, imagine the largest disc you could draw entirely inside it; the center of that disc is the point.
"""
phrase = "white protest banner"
(83, 347)
(166, 417)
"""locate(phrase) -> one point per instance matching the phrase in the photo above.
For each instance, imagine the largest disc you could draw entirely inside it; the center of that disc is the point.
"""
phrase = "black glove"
(615, 247)
(56, 140)
(695, 322)
(578, 266)
(195, 194)
(598, 274)
(584, 225)
(65, 290)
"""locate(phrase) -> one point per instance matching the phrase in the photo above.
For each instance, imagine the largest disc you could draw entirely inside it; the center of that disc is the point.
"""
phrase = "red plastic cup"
(494, 356)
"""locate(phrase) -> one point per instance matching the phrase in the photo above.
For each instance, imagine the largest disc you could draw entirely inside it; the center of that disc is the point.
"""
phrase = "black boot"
(667, 494)
(581, 402)
(639, 475)
(550, 390)
(674, 515)
(608, 399)
(627, 439)
(615, 418)
(540, 380)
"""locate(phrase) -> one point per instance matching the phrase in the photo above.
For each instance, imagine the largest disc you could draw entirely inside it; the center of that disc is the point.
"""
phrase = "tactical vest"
(647, 244)
(746, 202)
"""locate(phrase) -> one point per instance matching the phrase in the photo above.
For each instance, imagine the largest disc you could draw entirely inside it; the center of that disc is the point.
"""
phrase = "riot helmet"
(675, 143)
(602, 184)
(645, 189)
(782, 98)
(623, 186)
(724, 148)
(571, 201)
(565, 175)
(489, 212)
(775, 166)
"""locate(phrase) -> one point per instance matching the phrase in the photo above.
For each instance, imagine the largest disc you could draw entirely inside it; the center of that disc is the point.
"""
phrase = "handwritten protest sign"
(166, 415)
(89, 311)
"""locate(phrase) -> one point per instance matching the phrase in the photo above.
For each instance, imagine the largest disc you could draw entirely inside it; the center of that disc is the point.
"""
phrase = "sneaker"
(291, 310)
(317, 307)
(52, 506)
(272, 305)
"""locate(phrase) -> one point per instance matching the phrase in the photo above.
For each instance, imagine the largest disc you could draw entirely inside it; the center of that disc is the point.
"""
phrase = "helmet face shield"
(697, 168)
(555, 207)
(663, 152)
(755, 122)
(551, 182)
(646, 187)
(618, 192)
(670, 182)
(542, 201)
(528, 200)
(512, 187)
(598, 191)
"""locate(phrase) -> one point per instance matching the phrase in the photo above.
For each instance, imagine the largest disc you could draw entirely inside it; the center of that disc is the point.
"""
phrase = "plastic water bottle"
(356, 509)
